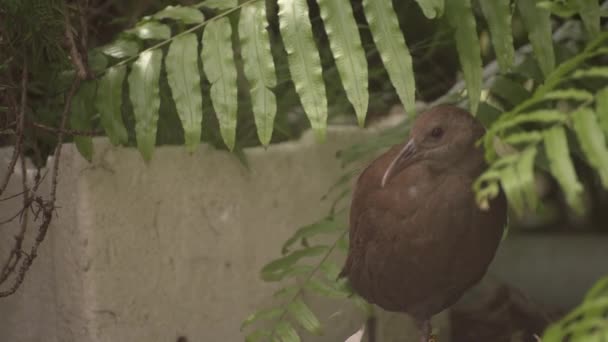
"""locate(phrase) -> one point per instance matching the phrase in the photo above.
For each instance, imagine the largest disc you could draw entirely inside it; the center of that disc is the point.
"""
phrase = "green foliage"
(228, 48)
(218, 63)
(587, 322)
(550, 124)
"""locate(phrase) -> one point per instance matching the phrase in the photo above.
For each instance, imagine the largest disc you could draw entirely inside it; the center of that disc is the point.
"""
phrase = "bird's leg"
(425, 330)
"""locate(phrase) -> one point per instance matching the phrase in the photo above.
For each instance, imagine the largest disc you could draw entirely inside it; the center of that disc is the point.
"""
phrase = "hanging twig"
(46, 208)
(20, 120)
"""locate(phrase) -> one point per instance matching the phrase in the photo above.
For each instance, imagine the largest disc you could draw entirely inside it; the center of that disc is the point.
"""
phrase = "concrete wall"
(152, 252)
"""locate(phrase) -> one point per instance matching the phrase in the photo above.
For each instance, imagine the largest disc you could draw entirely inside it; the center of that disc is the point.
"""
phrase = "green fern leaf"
(306, 318)
(144, 94)
(601, 72)
(395, 54)
(109, 104)
(151, 30)
(512, 92)
(523, 138)
(461, 18)
(219, 4)
(601, 107)
(121, 48)
(184, 80)
(186, 15)
(525, 171)
(276, 269)
(548, 116)
(592, 141)
(537, 21)
(218, 63)
(82, 112)
(259, 67)
(431, 8)
(325, 226)
(512, 188)
(264, 314)
(498, 15)
(560, 165)
(286, 333)
(321, 288)
(569, 94)
(590, 13)
(345, 44)
(258, 336)
(304, 62)
(600, 289)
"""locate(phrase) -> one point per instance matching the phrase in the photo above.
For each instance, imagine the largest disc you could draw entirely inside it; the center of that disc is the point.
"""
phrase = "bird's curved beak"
(400, 161)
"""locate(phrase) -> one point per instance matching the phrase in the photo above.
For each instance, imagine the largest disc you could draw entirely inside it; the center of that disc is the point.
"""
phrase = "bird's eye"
(437, 132)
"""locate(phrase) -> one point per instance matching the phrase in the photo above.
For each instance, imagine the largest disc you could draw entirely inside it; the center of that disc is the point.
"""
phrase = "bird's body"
(418, 240)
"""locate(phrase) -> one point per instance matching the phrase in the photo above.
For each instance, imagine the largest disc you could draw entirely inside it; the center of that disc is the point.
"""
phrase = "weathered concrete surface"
(152, 252)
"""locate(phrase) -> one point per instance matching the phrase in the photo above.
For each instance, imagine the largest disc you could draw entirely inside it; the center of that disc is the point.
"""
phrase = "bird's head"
(443, 137)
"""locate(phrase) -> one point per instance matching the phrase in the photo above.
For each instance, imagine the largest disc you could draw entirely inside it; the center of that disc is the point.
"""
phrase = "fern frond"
(304, 62)
(389, 40)
(461, 18)
(218, 63)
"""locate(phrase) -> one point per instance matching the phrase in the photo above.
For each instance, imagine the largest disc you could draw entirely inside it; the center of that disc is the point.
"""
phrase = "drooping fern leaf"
(159, 30)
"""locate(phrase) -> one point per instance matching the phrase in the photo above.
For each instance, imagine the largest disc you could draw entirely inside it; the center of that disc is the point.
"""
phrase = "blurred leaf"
(431, 8)
(82, 112)
(259, 67)
(219, 4)
(387, 35)
(591, 72)
(509, 90)
(564, 9)
(600, 289)
(306, 318)
(569, 94)
(601, 107)
(321, 288)
(345, 44)
(330, 269)
(325, 226)
(523, 138)
(144, 93)
(219, 66)
(271, 270)
(512, 188)
(304, 62)
(590, 13)
(547, 116)
(592, 141)
(257, 336)
(186, 15)
(538, 23)
(151, 30)
(461, 18)
(525, 172)
(181, 65)
(286, 332)
(109, 103)
(560, 165)
(98, 62)
(121, 48)
(264, 314)
(498, 15)
(487, 114)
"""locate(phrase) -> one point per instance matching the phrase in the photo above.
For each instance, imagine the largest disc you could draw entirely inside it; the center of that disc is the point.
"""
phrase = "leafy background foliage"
(243, 74)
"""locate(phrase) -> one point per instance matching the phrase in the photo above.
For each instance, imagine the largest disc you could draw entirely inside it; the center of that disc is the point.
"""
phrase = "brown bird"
(418, 240)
